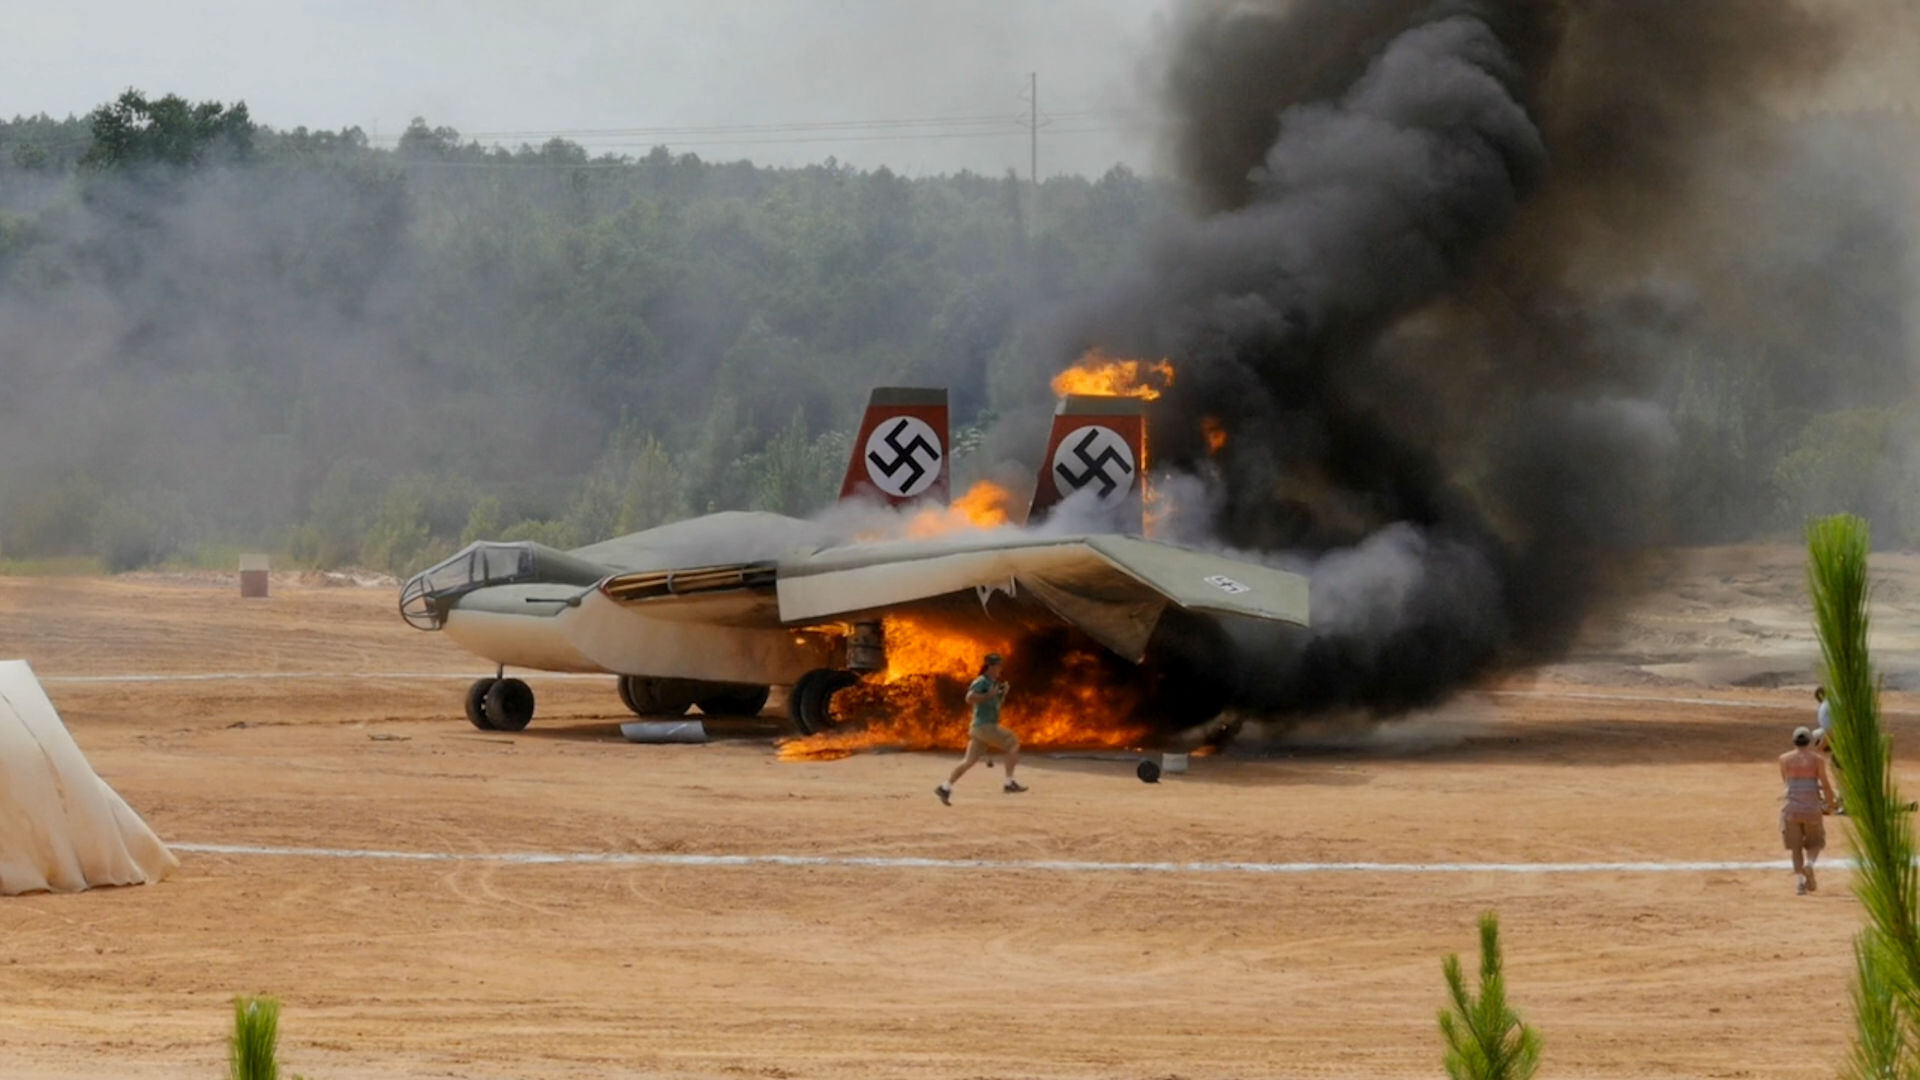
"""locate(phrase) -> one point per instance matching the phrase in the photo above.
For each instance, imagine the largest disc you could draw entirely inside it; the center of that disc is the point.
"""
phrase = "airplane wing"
(712, 539)
(1112, 587)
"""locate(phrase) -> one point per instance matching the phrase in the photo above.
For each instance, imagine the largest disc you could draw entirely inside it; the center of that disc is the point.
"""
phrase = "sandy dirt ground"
(1653, 742)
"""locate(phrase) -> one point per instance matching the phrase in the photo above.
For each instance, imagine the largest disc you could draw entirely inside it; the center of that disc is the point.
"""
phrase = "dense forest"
(221, 335)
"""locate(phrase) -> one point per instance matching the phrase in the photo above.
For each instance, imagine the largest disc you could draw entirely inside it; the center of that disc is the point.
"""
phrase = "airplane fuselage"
(548, 628)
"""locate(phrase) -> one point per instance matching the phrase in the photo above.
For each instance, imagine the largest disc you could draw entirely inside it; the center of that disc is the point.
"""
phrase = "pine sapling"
(1485, 1038)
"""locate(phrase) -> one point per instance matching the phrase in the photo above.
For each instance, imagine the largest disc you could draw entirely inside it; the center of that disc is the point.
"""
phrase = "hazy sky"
(814, 76)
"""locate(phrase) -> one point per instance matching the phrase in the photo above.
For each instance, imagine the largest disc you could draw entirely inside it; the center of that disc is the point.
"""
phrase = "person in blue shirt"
(1823, 736)
(984, 695)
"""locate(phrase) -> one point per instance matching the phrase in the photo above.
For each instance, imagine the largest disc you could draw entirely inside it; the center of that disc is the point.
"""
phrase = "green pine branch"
(1485, 1038)
(1887, 950)
(1881, 1048)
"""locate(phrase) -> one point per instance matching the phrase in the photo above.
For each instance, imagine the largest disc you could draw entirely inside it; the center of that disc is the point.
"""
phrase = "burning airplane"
(1112, 636)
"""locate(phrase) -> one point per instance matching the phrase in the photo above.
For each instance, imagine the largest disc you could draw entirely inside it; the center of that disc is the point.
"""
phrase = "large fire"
(985, 505)
(1062, 698)
(1107, 376)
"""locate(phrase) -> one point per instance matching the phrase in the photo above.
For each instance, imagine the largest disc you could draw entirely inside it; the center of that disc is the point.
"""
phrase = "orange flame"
(919, 702)
(1107, 376)
(985, 505)
(1216, 435)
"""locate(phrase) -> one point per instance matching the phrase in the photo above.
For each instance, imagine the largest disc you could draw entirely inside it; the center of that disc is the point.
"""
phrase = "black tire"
(477, 703)
(737, 702)
(645, 697)
(509, 705)
(632, 693)
(796, 699)
(807, 705)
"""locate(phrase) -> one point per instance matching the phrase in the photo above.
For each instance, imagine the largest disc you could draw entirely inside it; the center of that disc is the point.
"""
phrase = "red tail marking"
(900, 454)
(1098, 446)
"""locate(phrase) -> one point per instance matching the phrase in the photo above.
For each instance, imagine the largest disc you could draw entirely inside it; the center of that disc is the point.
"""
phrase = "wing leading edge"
(1112, 587)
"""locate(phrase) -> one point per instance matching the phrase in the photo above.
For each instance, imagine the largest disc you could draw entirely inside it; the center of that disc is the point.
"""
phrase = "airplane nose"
(417, 606)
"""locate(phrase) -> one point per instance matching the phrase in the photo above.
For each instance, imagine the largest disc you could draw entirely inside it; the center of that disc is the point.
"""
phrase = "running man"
(985, 695)
(1825, 714)
(1809, 795)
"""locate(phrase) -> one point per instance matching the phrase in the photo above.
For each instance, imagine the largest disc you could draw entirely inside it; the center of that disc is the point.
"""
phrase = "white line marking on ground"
(1063, 866)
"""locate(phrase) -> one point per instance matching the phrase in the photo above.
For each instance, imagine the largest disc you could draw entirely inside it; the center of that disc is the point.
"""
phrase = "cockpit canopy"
(425, 598)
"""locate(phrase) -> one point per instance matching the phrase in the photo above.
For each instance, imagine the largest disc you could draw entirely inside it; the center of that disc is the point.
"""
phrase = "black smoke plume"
(1415, 292)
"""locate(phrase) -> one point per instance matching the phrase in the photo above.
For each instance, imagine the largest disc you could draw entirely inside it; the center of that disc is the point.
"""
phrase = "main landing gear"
(500, 704)
(671, 697)
(505, 704)
(808, 701)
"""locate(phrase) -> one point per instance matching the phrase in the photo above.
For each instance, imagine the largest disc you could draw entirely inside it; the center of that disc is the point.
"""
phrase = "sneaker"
(945, 793)
(1800, 889)
(1013, 787)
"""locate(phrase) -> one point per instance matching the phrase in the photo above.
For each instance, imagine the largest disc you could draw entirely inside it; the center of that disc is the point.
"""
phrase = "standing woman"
(1809, 796)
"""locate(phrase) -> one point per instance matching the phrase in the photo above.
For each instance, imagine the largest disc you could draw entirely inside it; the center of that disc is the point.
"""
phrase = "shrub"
(254, 1046)
(1485, 1038)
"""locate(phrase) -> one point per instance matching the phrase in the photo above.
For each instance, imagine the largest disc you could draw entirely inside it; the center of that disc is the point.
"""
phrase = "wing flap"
(1199, 581)
(904, 576)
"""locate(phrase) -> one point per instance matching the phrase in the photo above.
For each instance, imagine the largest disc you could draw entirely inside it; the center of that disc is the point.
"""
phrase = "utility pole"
(1033, 126)
(1033, 132)
(1032, 95)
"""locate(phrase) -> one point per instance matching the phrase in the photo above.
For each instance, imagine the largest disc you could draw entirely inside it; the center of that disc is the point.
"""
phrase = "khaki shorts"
(992, 737)
(1803, 833)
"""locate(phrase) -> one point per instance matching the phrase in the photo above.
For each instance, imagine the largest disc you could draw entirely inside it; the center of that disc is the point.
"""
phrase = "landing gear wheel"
(743, 701)
(477, 703)
(509, 705)
(807, 702)
(643, 696)
(623, 685)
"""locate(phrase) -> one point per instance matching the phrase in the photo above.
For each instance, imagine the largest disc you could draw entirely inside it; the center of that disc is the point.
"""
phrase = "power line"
(533, 164)
(941, 127)
(1000, 133)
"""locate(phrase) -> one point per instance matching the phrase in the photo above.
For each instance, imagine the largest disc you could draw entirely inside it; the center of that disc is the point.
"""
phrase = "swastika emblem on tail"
(1094, 457)
(903, 456)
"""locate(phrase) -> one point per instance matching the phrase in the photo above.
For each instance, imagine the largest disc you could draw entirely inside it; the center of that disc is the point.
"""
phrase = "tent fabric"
(62, 829)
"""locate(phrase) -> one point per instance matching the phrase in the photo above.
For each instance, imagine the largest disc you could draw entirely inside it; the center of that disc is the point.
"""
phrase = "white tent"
(61, 827)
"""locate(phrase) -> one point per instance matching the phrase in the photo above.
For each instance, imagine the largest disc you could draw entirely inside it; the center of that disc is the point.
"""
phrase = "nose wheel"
(499, 704)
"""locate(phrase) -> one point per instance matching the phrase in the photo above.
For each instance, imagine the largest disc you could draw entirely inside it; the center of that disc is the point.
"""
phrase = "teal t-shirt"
(986, 711)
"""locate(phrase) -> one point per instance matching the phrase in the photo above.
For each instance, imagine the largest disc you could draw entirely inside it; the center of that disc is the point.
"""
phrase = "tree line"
(236, 335)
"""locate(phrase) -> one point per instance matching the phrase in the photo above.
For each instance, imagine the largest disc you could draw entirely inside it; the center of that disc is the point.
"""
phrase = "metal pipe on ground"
(664, 731)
